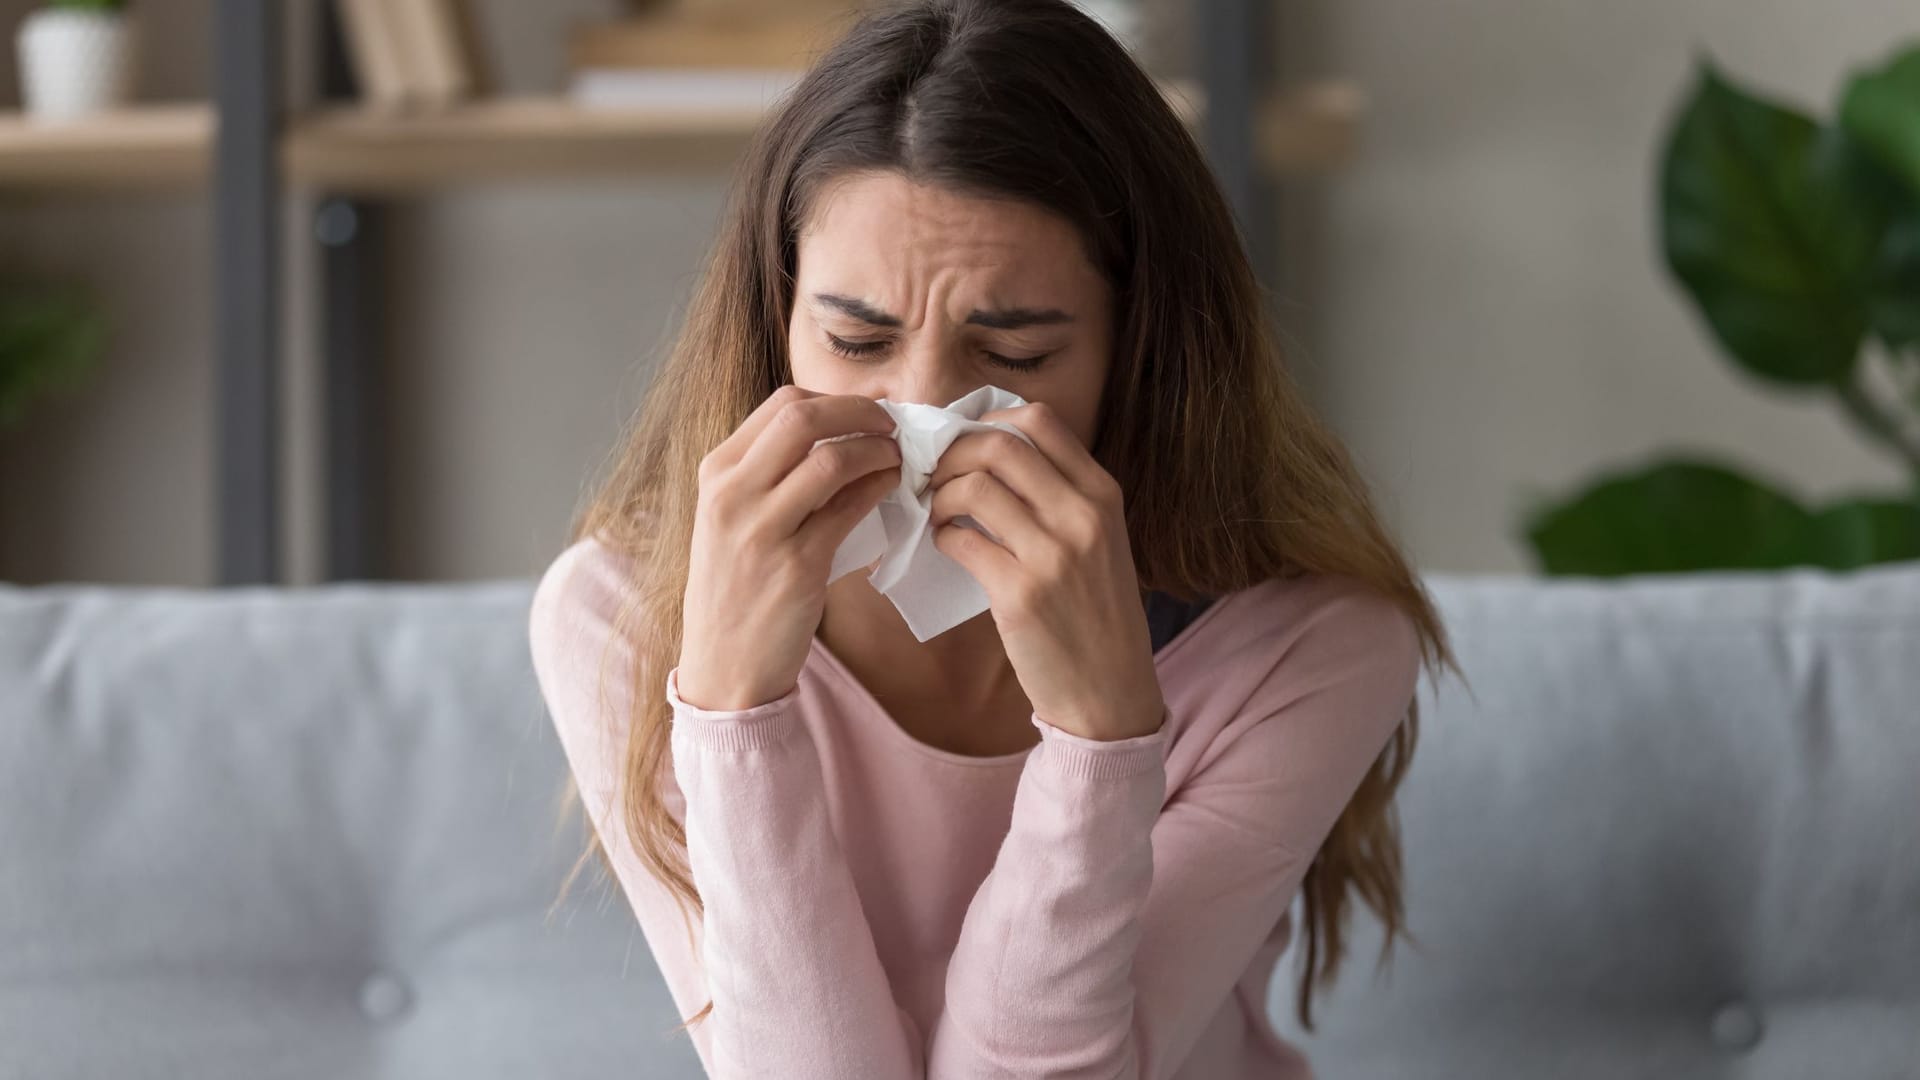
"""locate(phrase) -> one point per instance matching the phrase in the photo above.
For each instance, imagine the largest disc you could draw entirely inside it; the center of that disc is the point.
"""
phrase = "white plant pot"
(74, 62)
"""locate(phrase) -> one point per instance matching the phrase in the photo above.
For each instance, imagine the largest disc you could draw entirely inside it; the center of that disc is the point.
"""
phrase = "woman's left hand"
(1061, 581)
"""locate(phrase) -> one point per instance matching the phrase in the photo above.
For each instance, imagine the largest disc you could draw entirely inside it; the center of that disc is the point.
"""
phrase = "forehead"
(881, 223)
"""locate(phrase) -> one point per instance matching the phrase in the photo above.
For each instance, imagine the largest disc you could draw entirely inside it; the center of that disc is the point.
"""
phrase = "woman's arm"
(1111, 928)
(784, 950)
(798, 986)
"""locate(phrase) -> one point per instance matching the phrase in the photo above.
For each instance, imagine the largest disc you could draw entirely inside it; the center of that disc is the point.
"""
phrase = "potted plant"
(1798, 243)
(75, 57)
(51, 337)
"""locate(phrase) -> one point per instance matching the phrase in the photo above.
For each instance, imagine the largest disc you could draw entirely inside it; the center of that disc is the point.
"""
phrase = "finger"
(989, 502)
(828, 527)
(822, 474)
(994, 567)
(1057, 443)
(793, 421)
(734, 446)
(1005, 456)
(789, 434)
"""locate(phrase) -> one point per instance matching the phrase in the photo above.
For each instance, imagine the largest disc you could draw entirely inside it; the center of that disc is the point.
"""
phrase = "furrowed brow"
(1000, 319)
(1015, 318)
(859, 309)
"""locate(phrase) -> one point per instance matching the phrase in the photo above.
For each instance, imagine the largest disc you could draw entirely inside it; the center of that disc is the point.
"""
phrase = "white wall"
(1482, 308)
(1477, 303)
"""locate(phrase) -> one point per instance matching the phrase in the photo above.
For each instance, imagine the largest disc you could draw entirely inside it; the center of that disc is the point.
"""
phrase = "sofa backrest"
(314, 832)
(304, 833)
(1675, 832)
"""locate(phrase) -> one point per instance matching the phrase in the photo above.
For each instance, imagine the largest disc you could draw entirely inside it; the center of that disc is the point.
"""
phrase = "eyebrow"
(1001, 319)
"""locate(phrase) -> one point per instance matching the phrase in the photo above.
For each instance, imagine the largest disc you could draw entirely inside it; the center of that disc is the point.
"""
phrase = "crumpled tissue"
(931, 591)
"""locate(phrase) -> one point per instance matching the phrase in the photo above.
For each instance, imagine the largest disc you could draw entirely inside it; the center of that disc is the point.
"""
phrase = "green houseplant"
(1799, 244)
(51, 337)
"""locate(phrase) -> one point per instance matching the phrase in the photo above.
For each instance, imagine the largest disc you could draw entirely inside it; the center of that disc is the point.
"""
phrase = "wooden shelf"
(1314, 128)
(359, 150)
(157, 147)
(355, 149)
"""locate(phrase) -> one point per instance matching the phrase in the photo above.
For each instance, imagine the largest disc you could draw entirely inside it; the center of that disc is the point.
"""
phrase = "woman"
(1063, 837)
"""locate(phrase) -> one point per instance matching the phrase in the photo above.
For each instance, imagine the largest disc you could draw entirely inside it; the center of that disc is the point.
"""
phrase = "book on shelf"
(482, 80)
(690, 58)
(674, 40)
(680, 89)
(413, 54)
(373, 52)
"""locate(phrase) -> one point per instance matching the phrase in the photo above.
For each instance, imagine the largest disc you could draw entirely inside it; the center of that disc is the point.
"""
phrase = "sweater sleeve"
(1112, 927)
(783, 948)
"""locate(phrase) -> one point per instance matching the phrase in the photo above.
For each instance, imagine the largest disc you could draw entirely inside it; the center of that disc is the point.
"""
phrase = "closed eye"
(854, 348)
(868, 348)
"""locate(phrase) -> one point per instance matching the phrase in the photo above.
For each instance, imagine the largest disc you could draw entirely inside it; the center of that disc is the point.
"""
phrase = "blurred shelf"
(1311, 128)
(355, 149)
(162, 146)
(351, 148)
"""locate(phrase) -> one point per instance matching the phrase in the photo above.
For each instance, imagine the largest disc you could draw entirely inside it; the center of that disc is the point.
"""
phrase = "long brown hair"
(1199, 422)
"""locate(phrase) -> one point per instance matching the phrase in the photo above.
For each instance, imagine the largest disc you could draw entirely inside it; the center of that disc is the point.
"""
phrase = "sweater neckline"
(872, 711)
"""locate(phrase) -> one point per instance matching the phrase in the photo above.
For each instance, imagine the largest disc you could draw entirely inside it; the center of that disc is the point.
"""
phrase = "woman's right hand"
(773, 509)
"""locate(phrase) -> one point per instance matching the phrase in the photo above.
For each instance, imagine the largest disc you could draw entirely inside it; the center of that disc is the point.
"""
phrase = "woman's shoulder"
(579, 595)
(1309, 669)
(1294, 626)
(587, 568)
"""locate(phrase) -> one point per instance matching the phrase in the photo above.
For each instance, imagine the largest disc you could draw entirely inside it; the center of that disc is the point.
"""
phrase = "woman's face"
(911, 293)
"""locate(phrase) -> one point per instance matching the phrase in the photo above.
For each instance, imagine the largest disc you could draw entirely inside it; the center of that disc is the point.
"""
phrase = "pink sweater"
(881, 909)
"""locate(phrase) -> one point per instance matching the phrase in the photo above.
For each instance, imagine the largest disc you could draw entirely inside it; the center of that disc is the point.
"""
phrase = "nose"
(929, 374)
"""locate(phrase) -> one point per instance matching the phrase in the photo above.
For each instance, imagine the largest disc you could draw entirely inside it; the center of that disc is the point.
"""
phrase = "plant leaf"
(1859, 532)
(1896, 293)
(1674, 516)
(50, 338)
(1761, 224)
(1881, 109)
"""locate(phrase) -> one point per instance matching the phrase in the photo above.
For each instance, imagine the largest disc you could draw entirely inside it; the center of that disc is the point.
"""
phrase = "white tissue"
(931, 591)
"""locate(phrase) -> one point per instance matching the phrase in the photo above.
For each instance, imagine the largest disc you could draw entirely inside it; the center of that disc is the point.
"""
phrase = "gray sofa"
(1673, 832)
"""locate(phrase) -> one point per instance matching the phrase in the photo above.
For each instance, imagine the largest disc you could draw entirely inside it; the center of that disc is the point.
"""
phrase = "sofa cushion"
(314, 833)
(303, 833)
(1674, 832)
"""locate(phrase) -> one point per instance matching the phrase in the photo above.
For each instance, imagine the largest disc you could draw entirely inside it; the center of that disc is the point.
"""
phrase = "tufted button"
(1736, 1026)
(384, 996)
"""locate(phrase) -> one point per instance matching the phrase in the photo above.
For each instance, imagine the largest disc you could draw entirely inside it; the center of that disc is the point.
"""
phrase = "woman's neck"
(966, 666)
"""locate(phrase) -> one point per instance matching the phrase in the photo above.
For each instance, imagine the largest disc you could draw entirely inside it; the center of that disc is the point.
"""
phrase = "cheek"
(813, 367)
(1083, 422)
(823, 371)
(1078, 400)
